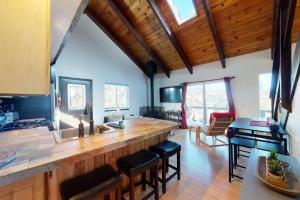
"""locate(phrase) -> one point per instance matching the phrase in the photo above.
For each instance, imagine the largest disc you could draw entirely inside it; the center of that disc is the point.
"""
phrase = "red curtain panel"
(183, 104)
(229, 95)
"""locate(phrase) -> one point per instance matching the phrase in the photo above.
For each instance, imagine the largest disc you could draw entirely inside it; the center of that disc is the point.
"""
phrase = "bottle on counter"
(91, 132)
(81, 129)
(121, 124)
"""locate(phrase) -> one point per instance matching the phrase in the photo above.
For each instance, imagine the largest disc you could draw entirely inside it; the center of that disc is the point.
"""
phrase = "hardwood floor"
(204, 172)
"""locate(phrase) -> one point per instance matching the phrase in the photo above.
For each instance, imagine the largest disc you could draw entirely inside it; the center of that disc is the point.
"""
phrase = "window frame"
(116, 96)
(205, 107)
(263, 112)
(176, 14)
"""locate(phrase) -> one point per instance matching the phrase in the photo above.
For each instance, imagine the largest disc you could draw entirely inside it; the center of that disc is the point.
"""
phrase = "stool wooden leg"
(178, 165)
(156, 189)
(151, 175)
(119, 193)
(198, 133)
(164, 175)
(235, 155)
(229, 162)
(131, 188)
(107, 197)
(144, 181)
(232, 159)
(167, 165)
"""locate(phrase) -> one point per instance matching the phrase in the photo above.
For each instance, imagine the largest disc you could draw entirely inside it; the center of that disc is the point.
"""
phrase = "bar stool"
(165, 150)
(101, 181)
(136, 164)
(234, 143)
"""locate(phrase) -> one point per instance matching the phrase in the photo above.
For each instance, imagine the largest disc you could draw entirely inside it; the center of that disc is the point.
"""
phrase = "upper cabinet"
(25, 47)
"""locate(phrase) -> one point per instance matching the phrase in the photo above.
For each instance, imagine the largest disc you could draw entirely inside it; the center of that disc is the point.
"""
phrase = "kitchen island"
(42, 163)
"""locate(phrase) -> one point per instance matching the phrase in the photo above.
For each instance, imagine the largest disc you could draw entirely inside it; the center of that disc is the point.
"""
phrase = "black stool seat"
(242, 142)
(166, 148)
(97, 181)
(138, 162)
(270, 147)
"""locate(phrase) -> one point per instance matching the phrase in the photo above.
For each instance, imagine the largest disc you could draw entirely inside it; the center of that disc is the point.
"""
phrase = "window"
(264, 95)
(204, 98)
(76, 97)
(116, 97)
(216, 98)
(183, 10)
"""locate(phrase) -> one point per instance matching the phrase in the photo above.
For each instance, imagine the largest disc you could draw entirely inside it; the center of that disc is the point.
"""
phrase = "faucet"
(88, 111)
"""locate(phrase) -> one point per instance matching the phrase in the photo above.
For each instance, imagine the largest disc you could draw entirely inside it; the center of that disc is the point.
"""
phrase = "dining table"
(244, 127)
(256, 130)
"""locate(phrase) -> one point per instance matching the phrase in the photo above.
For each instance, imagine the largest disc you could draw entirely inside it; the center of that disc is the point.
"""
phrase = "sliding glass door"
(195, 104)
(203, 99)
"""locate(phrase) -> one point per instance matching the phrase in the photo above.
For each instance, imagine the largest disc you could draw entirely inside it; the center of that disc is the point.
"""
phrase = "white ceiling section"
(62, 14)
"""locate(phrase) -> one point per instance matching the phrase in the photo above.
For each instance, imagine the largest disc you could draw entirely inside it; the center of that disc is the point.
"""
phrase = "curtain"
(183, 105)
(229, 96)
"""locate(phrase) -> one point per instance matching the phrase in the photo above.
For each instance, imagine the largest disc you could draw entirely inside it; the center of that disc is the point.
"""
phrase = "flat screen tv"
(171, 94)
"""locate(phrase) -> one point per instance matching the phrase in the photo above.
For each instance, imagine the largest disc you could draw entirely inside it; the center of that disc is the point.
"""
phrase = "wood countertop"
(38, 152)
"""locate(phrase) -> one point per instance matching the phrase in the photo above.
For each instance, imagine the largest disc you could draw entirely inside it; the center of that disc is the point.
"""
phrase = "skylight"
(183, 10)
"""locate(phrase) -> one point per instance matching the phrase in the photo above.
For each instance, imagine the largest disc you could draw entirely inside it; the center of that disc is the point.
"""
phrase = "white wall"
(62, 14)
(245, 68)
(90, 54)
(293, 127)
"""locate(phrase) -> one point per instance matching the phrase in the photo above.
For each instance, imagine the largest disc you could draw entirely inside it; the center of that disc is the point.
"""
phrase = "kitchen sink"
(71, 134)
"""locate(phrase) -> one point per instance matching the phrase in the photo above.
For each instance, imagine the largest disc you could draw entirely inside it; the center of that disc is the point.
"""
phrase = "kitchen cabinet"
(25, 47)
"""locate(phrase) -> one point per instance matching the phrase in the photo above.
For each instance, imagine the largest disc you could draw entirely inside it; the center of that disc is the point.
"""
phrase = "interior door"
(75, 93)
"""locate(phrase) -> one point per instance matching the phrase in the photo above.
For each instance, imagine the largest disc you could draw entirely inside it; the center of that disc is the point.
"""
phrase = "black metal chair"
(136, 164)
(165, 150)
(101, 182)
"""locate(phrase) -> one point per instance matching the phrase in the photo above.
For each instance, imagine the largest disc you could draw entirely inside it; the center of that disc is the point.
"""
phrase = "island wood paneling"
(71, 168)
(31, 189)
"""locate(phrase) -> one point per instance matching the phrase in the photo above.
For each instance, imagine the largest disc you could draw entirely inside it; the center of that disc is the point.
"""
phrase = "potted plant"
(275, 174)
(274, 167)
(272, 155)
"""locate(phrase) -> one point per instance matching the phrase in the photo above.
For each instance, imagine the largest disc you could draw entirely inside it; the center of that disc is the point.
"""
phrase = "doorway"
(75, 93)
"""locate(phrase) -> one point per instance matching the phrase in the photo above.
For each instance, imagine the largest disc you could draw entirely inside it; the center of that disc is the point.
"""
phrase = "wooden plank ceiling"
(242, 27)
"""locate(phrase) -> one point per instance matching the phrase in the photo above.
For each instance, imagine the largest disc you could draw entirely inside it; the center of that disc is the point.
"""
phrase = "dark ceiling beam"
(164, 24)
(138, 36)
(283, 72)
(115, 40)
(275, 26)
(276, 56)
(287, 14)
(74, 22)
(291, 8)
(213, 29)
